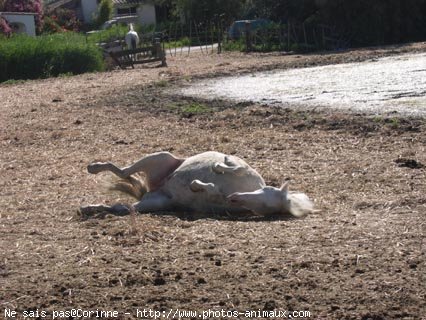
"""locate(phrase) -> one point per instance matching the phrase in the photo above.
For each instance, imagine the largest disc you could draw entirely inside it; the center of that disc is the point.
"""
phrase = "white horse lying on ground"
(209, 182)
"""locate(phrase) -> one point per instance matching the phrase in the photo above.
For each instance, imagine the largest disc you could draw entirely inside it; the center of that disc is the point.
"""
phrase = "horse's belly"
(200, 167)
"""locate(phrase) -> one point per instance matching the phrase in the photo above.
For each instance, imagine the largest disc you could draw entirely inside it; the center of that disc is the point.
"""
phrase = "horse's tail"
(133, 41)
(300, 204)
(133, 186)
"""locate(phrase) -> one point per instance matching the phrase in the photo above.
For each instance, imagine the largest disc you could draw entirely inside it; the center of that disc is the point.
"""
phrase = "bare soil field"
(362, 255)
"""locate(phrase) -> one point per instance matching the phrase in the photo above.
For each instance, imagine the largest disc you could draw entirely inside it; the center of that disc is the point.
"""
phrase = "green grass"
(162, 83)
(183, 42)
(234, 45)
(195, 108)
(12, 82)
(190, 109)
(392, 123)
(24, 57)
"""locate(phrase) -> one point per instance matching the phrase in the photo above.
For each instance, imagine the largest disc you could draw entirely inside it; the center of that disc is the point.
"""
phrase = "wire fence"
(204, 37)
(288, 37)
(213, 37)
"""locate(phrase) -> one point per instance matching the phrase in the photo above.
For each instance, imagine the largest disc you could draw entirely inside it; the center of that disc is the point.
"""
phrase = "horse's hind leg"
(228, 166)
(156, 166)
(222, 168)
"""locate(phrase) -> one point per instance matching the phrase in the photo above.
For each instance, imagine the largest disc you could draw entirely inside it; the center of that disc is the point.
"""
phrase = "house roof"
(121, 2)
(53, 4)
(18, 13)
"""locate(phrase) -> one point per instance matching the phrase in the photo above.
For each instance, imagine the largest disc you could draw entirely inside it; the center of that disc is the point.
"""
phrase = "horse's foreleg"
(154, 202)
(151, 202)
(91, 210)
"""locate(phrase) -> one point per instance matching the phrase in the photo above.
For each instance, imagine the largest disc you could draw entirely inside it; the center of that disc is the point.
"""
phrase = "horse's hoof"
(120, 210)
(93, 209)
(95, 168)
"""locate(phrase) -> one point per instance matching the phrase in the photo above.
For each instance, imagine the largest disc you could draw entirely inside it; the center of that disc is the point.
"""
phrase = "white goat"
(209, 182)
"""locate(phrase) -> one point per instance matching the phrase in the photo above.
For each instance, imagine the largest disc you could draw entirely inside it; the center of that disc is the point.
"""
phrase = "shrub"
(105, 11)
(234, 45)
(5, 29)
(24, 57)
(108, 35)
(50, 25)
(60, 20)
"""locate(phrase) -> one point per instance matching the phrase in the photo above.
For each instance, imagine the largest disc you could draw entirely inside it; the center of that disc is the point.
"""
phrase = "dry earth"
(361, 256)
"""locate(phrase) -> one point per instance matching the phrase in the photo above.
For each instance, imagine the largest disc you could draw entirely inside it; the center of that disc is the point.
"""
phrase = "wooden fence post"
(304, 34)
(288, 36)
(323, 37)
(159, 52)
(248, 37)
(219, 39)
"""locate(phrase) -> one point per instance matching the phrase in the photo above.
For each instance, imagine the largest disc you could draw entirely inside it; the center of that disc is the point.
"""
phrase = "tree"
(204, 10)
(280, 11)
(34, 6)
(105, 11)
(362, 22)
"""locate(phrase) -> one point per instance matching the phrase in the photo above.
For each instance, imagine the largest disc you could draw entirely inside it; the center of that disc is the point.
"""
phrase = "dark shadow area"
(187, 216)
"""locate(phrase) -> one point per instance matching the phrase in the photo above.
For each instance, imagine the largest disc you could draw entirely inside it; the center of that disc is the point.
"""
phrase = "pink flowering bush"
(4, 27)
(60, 20)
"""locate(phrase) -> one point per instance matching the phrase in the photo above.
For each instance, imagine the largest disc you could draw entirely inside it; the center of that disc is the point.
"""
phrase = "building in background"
(137, 11)
(21, 22)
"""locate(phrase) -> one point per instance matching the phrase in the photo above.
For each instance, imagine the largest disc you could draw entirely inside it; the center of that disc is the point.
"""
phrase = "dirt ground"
(362, 255)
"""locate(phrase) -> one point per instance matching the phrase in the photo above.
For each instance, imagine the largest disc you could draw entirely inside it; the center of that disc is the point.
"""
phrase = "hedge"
(24, 57)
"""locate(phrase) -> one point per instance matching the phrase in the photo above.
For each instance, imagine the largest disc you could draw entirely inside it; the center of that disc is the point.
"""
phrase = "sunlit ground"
(392, 84)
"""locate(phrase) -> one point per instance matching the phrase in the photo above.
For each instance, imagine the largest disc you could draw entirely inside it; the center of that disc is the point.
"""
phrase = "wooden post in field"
(304, 34)
(248, 36)
(198, 37)
(190, 37)
(323, 37)
(288, 36)
(176, 28)
(212, 34)
(315, 38)
(219, 38)
(159, 52)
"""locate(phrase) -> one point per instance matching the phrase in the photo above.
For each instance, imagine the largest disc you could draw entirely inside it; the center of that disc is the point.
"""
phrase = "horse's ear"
(284, 187)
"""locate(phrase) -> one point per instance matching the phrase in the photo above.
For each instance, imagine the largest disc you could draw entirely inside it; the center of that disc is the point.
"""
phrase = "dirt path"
(362, 256)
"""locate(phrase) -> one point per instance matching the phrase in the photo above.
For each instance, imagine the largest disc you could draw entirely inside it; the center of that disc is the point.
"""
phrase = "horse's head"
(271, 200)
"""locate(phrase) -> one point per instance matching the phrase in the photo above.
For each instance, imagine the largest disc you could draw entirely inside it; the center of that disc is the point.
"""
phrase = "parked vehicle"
(118, 20)
(238, 27)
